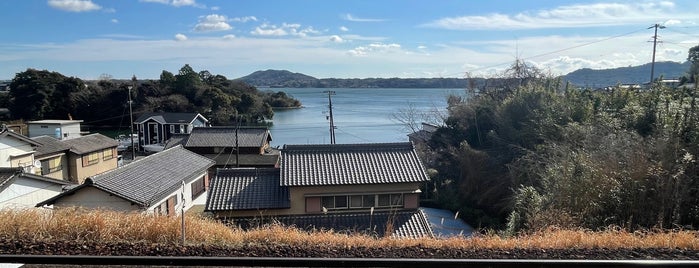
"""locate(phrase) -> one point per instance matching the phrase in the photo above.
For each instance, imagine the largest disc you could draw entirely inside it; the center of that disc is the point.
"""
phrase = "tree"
(693, 57)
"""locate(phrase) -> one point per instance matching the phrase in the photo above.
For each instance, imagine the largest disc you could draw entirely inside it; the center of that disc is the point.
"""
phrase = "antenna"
(330, 107)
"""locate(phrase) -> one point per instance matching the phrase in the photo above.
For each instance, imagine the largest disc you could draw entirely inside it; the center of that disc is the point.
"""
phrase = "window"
(51, 165)
(361, 201)
(108, 154)
(91, 158)
(182, 129)
(198, 188)
(172, 128)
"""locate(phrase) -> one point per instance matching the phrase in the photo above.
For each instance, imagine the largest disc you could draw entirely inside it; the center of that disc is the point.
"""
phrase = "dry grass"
(107, 226)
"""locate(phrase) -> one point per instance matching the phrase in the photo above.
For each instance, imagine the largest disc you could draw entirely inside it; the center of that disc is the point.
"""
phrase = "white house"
(17, 150)
(59, 129)
(19, 190)
(162, 183)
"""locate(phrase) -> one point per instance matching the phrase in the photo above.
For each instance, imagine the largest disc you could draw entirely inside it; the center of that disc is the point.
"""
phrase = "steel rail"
(330, 262)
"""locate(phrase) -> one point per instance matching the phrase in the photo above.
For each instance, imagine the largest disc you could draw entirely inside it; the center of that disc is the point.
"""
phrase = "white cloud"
(344, 29)
(74, 5)
(115, 21)
(287, 29)
(176, 3)
(336, 39)
(244, 19)
(211, 23)
(180, 37)
(350, 17)
(229, 37)
(570, 16)
(215, 8)
(374, 48)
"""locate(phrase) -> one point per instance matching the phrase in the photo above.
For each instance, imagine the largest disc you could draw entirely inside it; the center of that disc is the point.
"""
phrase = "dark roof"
(176, 139)
(6, 132)
(246, 160)
(49, 146)
(226, 137)
(350, 164)
(169, 118)
(8, 175)
(247, 188)
(405, 223)
(90, 143)
(149, 179)
(444, 223)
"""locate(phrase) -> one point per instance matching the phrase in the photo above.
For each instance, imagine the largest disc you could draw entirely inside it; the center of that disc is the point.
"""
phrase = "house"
(230, 146)
(157, 128)
(365, 187)
(162, 183)
(52, 155)
(60, 129)
(89, 155)
(17, 150)
(423, 135)
(20, 190)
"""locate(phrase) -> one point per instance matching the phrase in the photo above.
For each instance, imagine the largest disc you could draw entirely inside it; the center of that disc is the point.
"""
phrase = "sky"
(90, 39)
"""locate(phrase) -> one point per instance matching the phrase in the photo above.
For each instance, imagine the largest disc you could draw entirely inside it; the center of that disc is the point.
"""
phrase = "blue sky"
(343, 39)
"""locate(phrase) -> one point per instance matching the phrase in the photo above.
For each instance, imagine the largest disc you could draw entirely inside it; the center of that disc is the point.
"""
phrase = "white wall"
(188, 201)
(12, 146)
(26, 193)
(68, 131)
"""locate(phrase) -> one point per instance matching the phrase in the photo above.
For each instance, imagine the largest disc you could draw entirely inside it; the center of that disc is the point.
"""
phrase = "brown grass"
(107, 226)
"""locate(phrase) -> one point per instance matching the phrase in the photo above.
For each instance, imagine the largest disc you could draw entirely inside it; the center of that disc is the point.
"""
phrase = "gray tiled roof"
(350, 164)
(246, 160)
(405, 223)
(49, 146)
(176, 139)
(149, 179)
(90, 143)
(168, 118)
(225, 137)
(247, 188)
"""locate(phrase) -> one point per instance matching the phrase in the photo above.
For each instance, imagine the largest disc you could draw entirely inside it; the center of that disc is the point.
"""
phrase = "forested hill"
(627, 75)
(584, 77)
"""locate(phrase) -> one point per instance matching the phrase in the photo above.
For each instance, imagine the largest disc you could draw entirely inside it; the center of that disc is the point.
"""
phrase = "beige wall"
(60, 174)
(91, 197)
(298, 198)
(10, 146)
(78, 173)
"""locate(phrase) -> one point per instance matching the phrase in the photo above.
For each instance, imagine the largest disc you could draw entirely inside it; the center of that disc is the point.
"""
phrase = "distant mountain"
(626, 75)
(584, 77)
(279, 78)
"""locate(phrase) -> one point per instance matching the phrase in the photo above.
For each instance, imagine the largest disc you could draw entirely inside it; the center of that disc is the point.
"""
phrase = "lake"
(360, 115)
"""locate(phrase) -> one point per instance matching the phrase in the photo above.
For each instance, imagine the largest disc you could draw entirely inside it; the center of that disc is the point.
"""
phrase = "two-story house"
(156, 128)
(52, 154)
(230, 146)
(89, 155)
(364, 187)
(162, 183)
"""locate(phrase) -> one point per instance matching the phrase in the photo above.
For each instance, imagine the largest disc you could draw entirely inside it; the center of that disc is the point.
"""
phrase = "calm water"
(360, 115)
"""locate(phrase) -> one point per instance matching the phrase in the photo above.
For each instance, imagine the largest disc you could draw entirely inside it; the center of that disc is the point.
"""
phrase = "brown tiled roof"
(226, 137)
(247, 188)
(350, 164)
(90, 143)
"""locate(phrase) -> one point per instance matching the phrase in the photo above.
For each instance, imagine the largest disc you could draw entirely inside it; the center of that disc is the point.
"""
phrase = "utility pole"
(332, 124)
(133, 146)
(655, 43)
